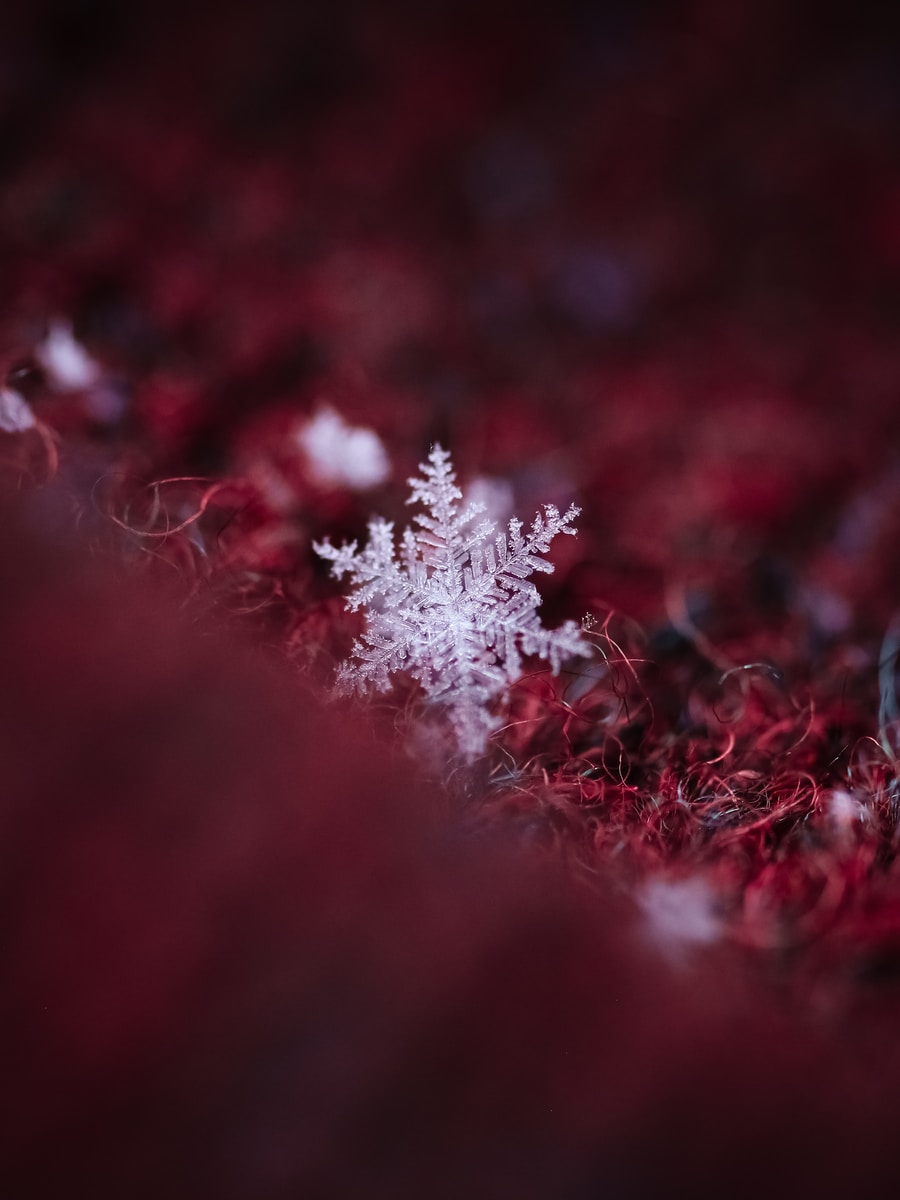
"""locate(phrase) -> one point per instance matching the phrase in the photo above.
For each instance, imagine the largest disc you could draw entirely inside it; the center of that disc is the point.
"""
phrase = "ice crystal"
(68, 366)
(342, 455)
(15, 412)
(452, 605)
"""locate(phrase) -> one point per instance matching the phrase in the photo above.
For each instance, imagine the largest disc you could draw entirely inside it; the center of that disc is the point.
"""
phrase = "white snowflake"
(15, 412)
(680, 913)
(454, 607)
(342, 455)
(68, 365)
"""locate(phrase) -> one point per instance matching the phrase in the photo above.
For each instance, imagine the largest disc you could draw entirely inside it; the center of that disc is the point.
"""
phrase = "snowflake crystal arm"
(456, 609)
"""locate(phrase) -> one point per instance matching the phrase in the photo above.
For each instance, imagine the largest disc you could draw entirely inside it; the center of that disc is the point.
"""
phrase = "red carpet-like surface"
(256, 260)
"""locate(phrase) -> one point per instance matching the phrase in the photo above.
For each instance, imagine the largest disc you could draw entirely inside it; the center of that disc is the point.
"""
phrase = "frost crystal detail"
(452, 605)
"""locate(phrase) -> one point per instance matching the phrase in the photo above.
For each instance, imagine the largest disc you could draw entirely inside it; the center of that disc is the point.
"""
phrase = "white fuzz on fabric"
(454, 608)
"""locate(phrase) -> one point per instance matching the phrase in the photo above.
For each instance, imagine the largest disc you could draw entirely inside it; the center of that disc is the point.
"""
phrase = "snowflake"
(454, 608)
(68, 366)
(15, 412)
(342, 455)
